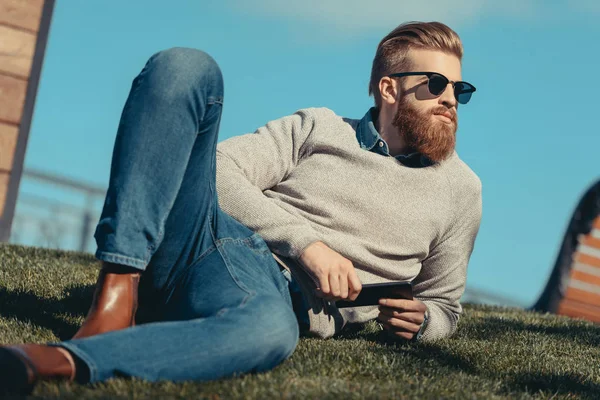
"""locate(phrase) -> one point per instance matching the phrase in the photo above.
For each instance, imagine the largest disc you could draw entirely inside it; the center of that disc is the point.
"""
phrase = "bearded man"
(338, 202)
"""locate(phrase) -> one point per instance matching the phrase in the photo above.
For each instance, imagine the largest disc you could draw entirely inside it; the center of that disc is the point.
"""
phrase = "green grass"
(497, 353)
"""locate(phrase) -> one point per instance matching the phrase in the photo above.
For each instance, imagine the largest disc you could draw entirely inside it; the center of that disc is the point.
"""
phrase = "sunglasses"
(438, 83)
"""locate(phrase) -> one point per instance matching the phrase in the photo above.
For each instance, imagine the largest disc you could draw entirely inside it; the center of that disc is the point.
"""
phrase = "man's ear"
(388, 87)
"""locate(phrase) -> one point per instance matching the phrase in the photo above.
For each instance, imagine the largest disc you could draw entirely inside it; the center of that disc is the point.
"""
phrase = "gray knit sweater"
(305, 178)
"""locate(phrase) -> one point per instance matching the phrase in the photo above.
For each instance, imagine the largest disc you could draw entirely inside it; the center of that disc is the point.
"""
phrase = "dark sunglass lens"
(463, 98)
(463, 92)
(437, 84)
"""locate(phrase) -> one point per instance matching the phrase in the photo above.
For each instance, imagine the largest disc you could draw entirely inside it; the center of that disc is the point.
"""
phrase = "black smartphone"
(372, 292)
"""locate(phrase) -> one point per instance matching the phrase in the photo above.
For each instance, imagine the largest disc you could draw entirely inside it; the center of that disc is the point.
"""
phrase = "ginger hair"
(391, 55)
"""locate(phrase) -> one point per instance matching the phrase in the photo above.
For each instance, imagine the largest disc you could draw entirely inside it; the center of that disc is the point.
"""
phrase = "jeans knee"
(279, 339)
(179, 69)
(288, 339)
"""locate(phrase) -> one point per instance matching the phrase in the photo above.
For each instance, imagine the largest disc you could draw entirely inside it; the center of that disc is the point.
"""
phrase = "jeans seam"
(137, 81)
(171, 286)
(135, 87)
(214, 100)
(247, 241)
(229, 270)
(159, 237)
(121, 259)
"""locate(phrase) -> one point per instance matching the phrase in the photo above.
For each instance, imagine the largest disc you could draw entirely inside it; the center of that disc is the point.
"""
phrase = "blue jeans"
(220, 304)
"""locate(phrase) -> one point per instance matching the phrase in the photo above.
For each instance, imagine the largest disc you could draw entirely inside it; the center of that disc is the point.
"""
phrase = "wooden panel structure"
(587, 259)
(578, 309)
(12, 99)
(8, 143)
(582, 297)
(24, 26)
(22, 14)
(4, 178)
(16, 51)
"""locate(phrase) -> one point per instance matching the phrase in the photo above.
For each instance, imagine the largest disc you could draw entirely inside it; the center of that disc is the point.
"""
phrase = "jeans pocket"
(257, 244)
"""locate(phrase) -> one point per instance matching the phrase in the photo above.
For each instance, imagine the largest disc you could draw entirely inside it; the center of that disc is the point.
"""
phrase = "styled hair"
(391, 55)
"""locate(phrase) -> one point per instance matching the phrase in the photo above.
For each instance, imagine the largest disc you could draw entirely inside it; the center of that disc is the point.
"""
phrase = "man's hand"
(335, 274)
(400, 317)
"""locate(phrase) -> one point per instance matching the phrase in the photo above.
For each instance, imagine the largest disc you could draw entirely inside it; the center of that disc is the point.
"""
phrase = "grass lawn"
(497, 353)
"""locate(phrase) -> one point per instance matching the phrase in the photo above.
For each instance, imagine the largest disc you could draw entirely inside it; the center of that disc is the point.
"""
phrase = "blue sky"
(530, 131)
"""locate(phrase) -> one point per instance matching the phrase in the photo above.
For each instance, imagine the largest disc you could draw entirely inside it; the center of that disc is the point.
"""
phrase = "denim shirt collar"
(369, 139)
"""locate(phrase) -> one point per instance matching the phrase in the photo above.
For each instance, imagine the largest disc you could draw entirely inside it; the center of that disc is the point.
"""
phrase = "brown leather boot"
(21, 366)
(115, 301)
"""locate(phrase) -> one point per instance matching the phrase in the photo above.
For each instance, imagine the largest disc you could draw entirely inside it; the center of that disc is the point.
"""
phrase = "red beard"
(424, 134)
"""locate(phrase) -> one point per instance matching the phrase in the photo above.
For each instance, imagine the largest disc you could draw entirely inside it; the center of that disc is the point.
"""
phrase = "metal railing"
(64, 221)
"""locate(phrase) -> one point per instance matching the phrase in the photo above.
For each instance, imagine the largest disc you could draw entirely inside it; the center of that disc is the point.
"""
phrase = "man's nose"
(447, 98)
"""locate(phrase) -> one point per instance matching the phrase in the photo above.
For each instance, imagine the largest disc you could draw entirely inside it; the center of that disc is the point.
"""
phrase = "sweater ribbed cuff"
(298, 246)
(439, 325)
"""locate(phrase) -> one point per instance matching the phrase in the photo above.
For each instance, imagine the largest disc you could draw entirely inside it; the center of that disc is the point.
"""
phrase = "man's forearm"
(284, 232)
(249, 164)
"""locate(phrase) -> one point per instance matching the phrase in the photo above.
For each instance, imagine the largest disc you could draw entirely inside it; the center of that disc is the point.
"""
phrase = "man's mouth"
(447, 116)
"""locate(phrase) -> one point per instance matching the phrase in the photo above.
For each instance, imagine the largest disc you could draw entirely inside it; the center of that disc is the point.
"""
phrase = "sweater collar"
(369, 139)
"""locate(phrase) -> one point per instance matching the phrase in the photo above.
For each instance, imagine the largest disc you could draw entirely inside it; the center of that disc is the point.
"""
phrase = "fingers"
(404, 305)
(334, 274)
(354, 285)
(329, 287)
(399, 333)
(399, 323)
(338, 285)
(341, 283)
(409, 316)
(334, 284)
(399, 327)
(323, 289)
(402, 318)
(343, 287)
